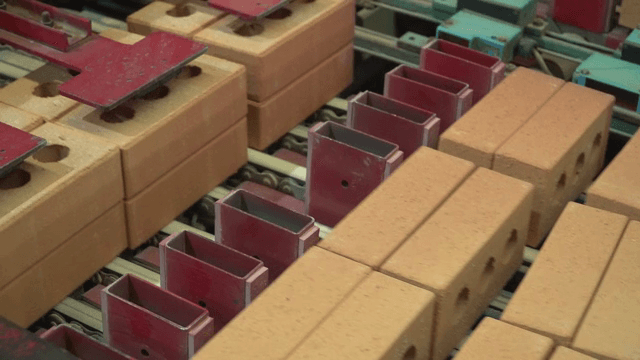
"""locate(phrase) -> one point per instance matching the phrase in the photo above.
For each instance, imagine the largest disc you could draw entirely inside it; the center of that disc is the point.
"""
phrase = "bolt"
(585, 72)
(502, 39)
(538, 22)
(46, 19)
(448, 22)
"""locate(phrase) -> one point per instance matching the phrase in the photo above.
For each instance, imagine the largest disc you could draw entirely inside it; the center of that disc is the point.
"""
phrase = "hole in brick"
(410, 354)
(190, 71)
(579, 163)
(279, 14)
(118, 115)
(47, 90)
(249, 30)
(489, 267)
(461, 301)
(15, 179)
(51, 153)
(345, 184)
(144, 352)
(597, 140)
(202, 303)
(180, 11)
(510, 246)
(158, 93)
(562, 181)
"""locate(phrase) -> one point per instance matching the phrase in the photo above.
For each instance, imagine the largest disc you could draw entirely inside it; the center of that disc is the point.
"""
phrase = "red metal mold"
(145, 321)
(150, 257)
(15, 146)
(249, 9)
(93, 296)
(216, 277)
(343, 167)
(407, 126)
(592, 15)
(263, 229)
(82, 346)
(275, 196)
(17, 343)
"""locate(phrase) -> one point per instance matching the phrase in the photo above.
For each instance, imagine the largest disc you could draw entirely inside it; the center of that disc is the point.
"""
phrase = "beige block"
(611, 328)
(53, 195)
(156, 134)
(288, 43)
(496, 340)
(630, 13)
(390, 214)
(19, 118)
(28, 297)
(558, 288)
(270, 120)
(559, 150)
(185, 20)
(383, 318)
(288, 310)
(491, 122)
(466, 251)
(563, 353)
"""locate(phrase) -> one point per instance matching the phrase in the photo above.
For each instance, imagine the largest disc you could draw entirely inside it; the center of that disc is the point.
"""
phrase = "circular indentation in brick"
(561, 182)
(597, 140)
(344, 183)
(51, 153)
(579, 163)
(461, 301)
(156, 94)
(202, 303)
(248, 30)
(510, 246)
(15, 179)
(280, 14)
(47, 90)
(410, 354)
(181, 11)
(488, 270)
(118, 115)
(190, 71)
(144, 352)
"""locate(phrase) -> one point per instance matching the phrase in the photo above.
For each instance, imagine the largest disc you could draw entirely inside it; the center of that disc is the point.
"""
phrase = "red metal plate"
(15, 146)
(81, 345)
(249, 9)
(20, 344)
(592, 15)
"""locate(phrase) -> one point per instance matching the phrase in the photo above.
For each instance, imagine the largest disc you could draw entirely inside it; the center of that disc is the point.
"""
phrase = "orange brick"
(466, 251)
(563, 353)
(19, 118)
(559, 150)
(392, 212)
(558, 288)
(186, 19)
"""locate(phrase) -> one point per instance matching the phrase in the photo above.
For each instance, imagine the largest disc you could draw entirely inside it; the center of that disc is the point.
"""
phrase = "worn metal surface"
(19, 344)
(80, 345)
(15, 146)
(249, 9)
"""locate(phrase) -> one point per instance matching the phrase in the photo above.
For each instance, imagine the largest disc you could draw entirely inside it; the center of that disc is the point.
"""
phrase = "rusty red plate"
(15, 146)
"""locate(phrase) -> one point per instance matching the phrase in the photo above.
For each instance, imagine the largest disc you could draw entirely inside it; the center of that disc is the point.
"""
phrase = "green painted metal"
(518, 12)
(631, 47)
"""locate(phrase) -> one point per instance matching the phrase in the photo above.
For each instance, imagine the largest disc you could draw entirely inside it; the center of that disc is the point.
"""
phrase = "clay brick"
(293, 41)
(392, 212)
(19, 118)
(610, 329)
(558, 288)
(496, 340)
(185, 20)
(288, 310)
(383, 318)
(50, 197)
(563, 353)
(492, 121)
(559, 150)
(45, 284)
(466, 251)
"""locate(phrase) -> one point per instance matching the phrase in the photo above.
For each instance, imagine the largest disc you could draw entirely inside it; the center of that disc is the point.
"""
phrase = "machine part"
(20, 344)
(413, 42)
(292, 157)
(290, 142)
(560, 66)
(596, 19)
(278, 197)
(330, 115)
(15, 64)
(541, 62)
(132, 306)
(15, 146)
(517, 12)
(277, 165)
(348, 165)
(384, 47)
(249, 10)
(149, 257)
(537, 27)
(212, 275)
(80, 345)
(124, 267)
(93, 295)
(631, 47)
(263, 229)
(176, 227)
(84, 313)
(407, 126)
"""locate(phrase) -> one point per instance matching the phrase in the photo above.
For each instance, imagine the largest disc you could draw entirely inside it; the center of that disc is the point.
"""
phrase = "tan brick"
(185, 20)
(558, 288)
(390, 214)
(611, 328)
(559, 150)
(491, 122)
(288, 310)
(19, 118)
(496, 340)
(383, 318)
(466, 251)
(563, 353)
(287, 47)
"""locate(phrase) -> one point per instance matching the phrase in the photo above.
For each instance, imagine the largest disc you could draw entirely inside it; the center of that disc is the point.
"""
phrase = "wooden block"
(45, 284)
(559, 150)
(563, 353)
(19, 118)
(286, 45)
(630, 13)
(53, 195)
(466, 251)
(270, 120)
(496, 340)
(288, 310)
(611, 327)
(155, 135)
(185, 19)
(491, 122)
(38, 93)
(369, 234)
(558, 288)
(383, 318)
(194, 177)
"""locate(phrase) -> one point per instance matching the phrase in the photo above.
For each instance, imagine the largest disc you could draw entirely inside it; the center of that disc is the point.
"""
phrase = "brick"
(288, 310)
(466, 251)
(50, 197)
(610, 329)
(19, 118)
(383, 318)
(496, 340)
(280, 53)
(563, 353)
(185, 20)
(31, 295)
(630, 13)
(492, 121)
(559, 150)
(370, 235)
(557, 290)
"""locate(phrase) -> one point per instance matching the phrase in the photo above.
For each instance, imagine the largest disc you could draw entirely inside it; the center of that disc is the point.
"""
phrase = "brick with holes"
(466, 251)
(181, 18)
(559, 150)
(19, 118)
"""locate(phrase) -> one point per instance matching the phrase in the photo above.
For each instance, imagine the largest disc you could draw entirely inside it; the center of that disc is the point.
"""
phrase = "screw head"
(502, 39)
(585, 72)
(538, 22)
(448, 22)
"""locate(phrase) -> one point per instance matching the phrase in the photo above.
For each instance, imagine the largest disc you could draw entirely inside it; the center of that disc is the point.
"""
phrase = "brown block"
(288, 310)
(271, 119)
(390, 214)
(286, 45)
(19, 118)
(559, 150)
(53, 195)
(491, 122)
(630, 13)
(558, 288)
(563, 353)
(194, 177)
(466, 251)
(185, 20)
(45, 284)
(157, 133)
(496, 340)
(611, 329)
(383, 318)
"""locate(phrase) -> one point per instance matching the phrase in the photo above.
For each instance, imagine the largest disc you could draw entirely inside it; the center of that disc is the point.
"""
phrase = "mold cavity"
(202, 303)
(190, 71)
(279, 14)
(410, 354)
(597, 140)
(47, 90)
(118, 115)
(579, 163)
(15, 179)
(345, 184)
(489, 268)
(144, 352)
(51, 153)
(249, 30)
(561, 182)
(180, 11)
(159, 93)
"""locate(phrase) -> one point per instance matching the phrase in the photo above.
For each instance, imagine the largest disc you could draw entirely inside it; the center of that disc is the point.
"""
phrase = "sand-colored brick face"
(563, 353)
(181, 19)
(19, 119)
